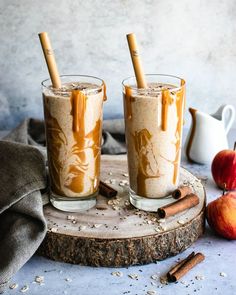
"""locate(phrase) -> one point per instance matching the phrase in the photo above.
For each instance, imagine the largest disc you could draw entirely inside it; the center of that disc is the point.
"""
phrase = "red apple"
(221, 215)
(223, 169)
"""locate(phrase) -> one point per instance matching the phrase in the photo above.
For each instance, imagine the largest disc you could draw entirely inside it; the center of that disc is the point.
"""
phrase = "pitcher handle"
(228, 115)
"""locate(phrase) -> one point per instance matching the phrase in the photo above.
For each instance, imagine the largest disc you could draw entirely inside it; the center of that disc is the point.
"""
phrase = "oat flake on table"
(68, 280)
(155, 277)
(39, 279)
(133, 276)
(24, 289)
(223, 274)
(199, 277)
(13, 286)
(117, 273)
(70, 217)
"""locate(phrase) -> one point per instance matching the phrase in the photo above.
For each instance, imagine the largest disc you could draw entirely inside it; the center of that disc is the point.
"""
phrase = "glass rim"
(153, 75)
(43, 83)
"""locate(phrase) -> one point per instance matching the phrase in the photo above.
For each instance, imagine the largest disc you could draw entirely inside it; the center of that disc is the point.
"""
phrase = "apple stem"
(235, 146)
(224, 188)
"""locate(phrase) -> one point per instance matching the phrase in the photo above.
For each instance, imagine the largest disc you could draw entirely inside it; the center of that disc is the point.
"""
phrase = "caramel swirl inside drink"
(73, 121)
(153, 122)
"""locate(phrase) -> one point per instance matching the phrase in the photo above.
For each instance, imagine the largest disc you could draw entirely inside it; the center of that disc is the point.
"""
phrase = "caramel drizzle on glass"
(166, 101)
(142, 140)
(104, 91)
(180, 104)
(192, 133)
(83, 142)
(127, 101)
(56, 139)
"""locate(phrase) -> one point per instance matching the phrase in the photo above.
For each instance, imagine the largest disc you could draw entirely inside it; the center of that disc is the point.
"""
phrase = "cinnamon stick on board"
(180, 205)
(182, 191)
(185, 267)
(106, 190)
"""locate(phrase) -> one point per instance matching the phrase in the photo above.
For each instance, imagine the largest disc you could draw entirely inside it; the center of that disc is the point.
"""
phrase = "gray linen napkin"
(23, 181)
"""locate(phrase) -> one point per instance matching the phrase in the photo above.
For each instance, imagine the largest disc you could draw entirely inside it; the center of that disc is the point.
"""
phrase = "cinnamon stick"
(180, 205)
(182, 191)
(106, 190)
(185, 267)
(178, 265)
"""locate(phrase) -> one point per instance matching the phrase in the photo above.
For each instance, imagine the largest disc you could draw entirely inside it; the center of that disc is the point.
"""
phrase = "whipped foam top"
(65, 90)
(153, 89)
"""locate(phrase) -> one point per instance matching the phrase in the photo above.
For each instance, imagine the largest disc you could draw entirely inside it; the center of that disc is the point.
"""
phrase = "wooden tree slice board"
(116, 234)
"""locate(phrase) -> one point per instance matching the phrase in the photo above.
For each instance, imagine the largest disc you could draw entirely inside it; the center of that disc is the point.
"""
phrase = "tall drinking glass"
(73, 123)
(153, 129)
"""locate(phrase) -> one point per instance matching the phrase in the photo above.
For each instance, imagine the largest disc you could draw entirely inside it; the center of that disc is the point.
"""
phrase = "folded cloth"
(22, 183)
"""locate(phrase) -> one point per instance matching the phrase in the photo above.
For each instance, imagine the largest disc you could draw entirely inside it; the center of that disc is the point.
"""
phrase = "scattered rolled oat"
(125, 174)
(155, 277)
(74, 221)
(199, 277)
(127, 203)
(133, 276)
(39, 279)
(161, 220)
(97, 225)
(70, 217)
(153, 284)
(82, 227)
(116, 201)
(13, 286)
(223, 274)
(24, 289)
(125, 182)
(164, 280)
(180, 221)
(183, 282)
(121, 184)
(53, 229)
(151, 292)
(112, 181)
(117, 273)
(110, 173)
(68, 280)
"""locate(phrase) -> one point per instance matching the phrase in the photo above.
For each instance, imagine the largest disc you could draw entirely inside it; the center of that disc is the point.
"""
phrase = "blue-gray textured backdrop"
(193, 39)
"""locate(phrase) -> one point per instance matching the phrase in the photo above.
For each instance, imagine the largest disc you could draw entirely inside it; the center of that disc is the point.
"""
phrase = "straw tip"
(130, 35)
(42, 33)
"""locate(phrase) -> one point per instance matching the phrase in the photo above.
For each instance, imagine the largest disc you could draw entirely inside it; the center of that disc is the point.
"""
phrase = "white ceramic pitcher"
(208, 134)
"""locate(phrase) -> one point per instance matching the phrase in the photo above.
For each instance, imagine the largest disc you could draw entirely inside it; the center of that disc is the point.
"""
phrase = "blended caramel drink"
(73, 121)
(153, 122)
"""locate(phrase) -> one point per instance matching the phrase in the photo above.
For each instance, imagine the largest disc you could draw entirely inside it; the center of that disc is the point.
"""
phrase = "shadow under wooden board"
(116, 234)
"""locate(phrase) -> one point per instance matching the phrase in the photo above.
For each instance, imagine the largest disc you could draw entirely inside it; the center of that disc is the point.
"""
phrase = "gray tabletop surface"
(216, 275)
